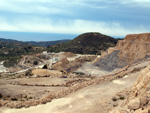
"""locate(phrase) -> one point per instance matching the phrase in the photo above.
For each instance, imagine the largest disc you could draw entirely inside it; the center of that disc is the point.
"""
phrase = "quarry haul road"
(91, 99)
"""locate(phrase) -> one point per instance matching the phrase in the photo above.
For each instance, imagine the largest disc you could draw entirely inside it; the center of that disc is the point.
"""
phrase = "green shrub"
(122, 98)
(114, 99)
(1, 95)
(14, 99)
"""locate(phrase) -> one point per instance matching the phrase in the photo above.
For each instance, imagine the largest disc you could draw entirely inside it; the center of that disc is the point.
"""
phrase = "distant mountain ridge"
(11, 51)
(47, 43)
(87, 43)
(8, 40)
(38, 43)
(10, 43)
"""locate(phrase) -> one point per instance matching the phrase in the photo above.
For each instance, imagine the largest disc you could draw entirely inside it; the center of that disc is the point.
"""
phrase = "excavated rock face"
(135, 47)
(141, 87)
(111, 61)
(139, 97)
(138, 100)
(132, 49)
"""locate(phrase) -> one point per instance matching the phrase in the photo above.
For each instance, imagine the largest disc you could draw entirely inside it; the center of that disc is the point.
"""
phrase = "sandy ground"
(31, 91)
(140, 65)
(42, 72)
(90, 69)
(91, 99)
(6, 87)
(42, 81)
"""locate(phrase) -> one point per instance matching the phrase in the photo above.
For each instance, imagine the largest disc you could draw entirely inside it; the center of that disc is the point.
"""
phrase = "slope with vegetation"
(11, 51)
(87, 43)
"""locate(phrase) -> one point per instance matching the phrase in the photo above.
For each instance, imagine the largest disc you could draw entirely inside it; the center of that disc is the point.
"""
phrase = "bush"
(14, 99)
(30, 97)
(28, 73)
(122, 98)
(35, 62)
(1, 95)
(114, 99)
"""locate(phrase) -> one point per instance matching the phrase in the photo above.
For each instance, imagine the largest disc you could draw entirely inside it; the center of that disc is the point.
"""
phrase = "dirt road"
(92, 99)
(90, 69)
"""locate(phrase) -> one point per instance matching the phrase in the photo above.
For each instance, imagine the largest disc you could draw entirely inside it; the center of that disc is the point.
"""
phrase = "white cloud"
(69, 26)
(62, 6)
(33, 6)
(74, 26)
(141, 1)
(136, 3)
(6, 26)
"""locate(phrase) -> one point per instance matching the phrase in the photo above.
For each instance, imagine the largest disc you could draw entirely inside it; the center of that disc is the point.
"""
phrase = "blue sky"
(55, 17)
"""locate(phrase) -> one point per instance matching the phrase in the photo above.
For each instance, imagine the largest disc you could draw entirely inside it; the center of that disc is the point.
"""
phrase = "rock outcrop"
(134, 48)
(141, 89)
(138, 100)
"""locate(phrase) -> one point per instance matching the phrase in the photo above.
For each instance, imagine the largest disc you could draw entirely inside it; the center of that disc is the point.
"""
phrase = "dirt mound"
(67, 66)
(45, 72)
(132, 49)
(67, 54)
(71, 66)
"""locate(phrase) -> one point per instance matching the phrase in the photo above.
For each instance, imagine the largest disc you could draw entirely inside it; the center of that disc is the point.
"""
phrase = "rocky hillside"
(87, 43)
(140, 93)
(132, 49)
(138, 100)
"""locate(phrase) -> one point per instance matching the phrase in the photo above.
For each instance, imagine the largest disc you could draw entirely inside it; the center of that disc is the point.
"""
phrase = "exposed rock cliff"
(132, 49)
(135, 47)
(140, 91)
(138, 100)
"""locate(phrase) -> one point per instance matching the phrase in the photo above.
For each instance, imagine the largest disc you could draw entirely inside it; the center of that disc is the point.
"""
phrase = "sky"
(65, 19)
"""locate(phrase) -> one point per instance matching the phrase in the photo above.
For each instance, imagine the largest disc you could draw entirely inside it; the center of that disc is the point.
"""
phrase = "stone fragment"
(134, 104)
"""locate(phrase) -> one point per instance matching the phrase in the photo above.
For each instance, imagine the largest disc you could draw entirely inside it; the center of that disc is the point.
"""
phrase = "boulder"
(144, 101)
(134, 104)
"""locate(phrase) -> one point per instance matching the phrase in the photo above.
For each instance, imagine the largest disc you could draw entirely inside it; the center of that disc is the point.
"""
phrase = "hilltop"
(87, 43)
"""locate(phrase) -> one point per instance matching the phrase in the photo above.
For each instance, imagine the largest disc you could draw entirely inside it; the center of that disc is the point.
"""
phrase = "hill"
(6, 43)
(47, 43)
(87, 43)
(133, 49)
(11, 51)
(40, 43)
(8, 40)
